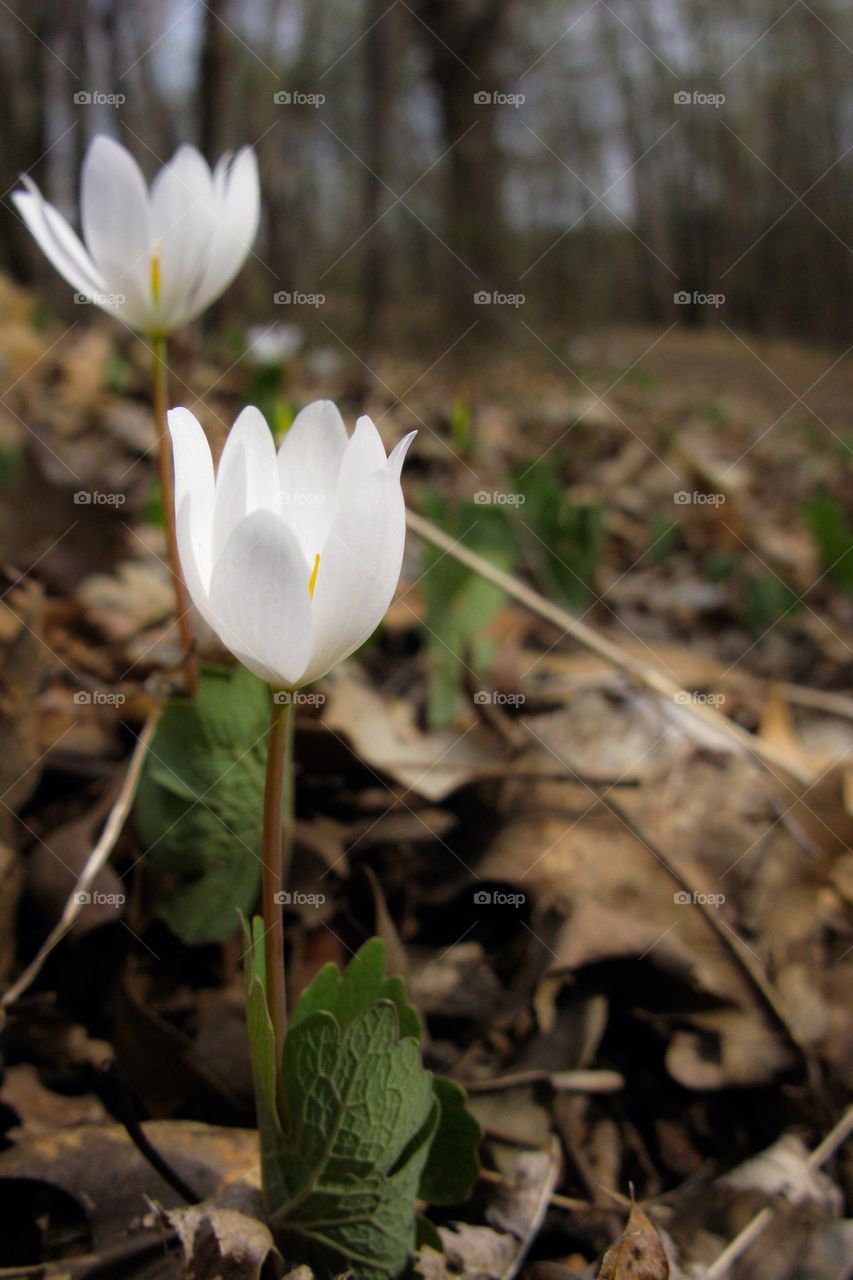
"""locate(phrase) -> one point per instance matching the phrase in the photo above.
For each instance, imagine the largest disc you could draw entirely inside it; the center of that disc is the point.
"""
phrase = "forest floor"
(629, 929)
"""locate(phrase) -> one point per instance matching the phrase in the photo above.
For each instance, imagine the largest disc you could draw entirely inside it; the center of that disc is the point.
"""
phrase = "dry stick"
(160, 373)
(560, 1081)
(836, 1137)
(558, 1201)
(649, 676)
(96, 860)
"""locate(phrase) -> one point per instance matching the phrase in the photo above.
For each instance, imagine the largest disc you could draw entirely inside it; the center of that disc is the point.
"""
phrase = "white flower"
(272, 343)
(292, 558)
(157, 258)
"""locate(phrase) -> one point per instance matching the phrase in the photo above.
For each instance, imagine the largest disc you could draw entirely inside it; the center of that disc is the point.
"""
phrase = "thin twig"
(836, 1137)
(649, 676)
(560, 1081)
(96, 860)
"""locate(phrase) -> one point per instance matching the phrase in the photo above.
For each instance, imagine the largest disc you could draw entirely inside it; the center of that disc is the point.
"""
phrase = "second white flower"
(291, 557)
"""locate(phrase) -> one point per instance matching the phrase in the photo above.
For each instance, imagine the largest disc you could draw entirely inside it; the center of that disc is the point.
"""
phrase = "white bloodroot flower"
(155, 258)
(291, 557)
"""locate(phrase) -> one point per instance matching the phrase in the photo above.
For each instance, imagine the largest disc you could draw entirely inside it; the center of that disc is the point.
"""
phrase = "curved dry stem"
(97, 858)
(160, 376)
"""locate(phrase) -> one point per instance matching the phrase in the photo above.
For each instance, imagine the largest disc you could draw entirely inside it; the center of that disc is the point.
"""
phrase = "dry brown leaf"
(99, 1167)
(384, 734)
(638, 1255)
(134, 598)
(221, 1241)
(729, 1047)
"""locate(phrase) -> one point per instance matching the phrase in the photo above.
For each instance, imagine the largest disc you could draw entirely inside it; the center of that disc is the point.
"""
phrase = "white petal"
(309, 460)
(57, 241)
(116, 225)
(259, 599)
(359, 566)
(397, 456)
(235, 225)
(181, 228)
(246, 478)
(365, 446)
(194, 491)
(182, 183)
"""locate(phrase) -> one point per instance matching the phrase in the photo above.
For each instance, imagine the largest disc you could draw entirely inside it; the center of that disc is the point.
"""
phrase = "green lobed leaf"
(200, 803)
(363, 981)
(361, 1114)
(452, 1166)
(436, 1138)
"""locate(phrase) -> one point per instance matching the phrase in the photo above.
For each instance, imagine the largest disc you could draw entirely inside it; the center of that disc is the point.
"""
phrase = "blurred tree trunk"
(460, 39)
(212, 75)
(22, 108)
(377, 91)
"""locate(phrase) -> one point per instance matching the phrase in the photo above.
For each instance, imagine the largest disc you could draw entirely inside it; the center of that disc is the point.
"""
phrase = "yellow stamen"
(155, 275)
(312, 581)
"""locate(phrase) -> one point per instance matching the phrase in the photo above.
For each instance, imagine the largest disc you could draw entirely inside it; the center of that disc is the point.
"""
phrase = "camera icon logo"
(482, 98)
(482, 298)
(682, 98)
(482, 697)
(482, 897)
(682, 698)
(283, 898)
(283, 98)
(82, 98)
(681, 899)
(682, 298)
(282, 298)
(83, 898)
(681, 498)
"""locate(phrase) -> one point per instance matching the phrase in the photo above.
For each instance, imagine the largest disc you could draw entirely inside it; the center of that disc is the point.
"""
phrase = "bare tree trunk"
(211, 78)
(460, 40)
(377, 89)
(22, 110)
